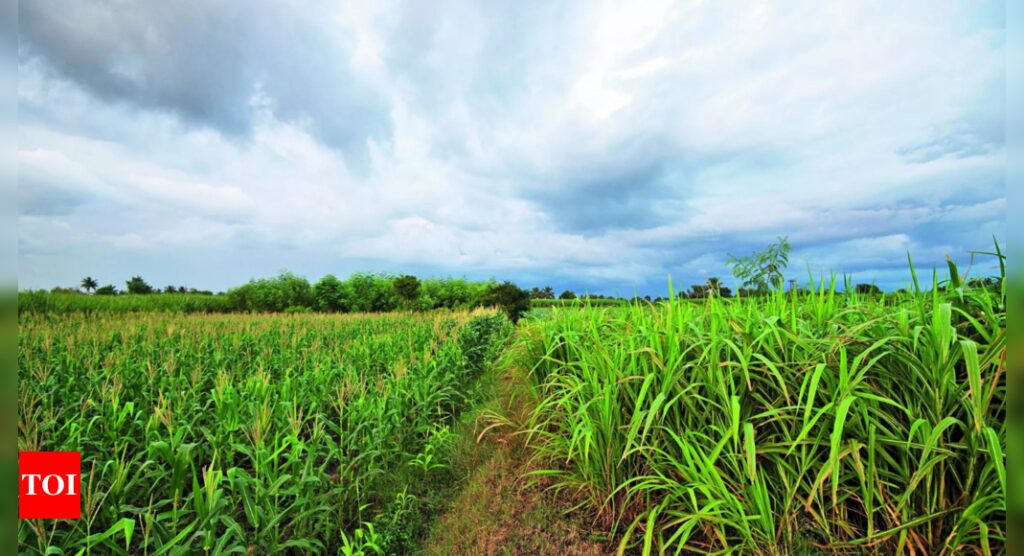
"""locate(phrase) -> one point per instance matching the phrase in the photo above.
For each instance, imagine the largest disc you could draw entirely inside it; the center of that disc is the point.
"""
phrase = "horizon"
(598, 148)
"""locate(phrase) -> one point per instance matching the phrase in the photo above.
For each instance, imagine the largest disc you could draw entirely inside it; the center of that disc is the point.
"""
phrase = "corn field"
(790, 424)
(247, 434)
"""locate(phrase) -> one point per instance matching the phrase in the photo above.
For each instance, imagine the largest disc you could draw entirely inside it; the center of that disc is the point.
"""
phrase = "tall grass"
(248, 434)
(781, 425)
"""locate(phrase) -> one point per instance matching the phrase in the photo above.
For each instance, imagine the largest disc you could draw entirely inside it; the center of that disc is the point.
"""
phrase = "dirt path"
(498, 512)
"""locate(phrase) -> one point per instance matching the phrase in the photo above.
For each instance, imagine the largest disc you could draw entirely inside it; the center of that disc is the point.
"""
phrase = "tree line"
(362, 292)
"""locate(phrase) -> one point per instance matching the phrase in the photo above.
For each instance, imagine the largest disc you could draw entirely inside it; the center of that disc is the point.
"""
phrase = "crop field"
(802, 422)
(248, 434)
(57, 303)
(784, 424)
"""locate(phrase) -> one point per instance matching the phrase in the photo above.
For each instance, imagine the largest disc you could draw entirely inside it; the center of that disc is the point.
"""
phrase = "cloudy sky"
(589, 145)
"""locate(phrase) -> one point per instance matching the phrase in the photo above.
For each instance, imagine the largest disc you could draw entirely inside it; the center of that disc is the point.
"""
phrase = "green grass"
(249, 434)
(780, 425)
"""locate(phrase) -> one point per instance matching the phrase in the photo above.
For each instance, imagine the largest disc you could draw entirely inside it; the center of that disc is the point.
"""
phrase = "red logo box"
(50, 485)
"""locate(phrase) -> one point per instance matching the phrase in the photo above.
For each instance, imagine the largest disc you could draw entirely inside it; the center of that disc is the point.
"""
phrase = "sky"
(595, 146)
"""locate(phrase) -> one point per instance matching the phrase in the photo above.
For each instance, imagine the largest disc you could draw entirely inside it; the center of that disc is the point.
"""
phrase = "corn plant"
(269, 434)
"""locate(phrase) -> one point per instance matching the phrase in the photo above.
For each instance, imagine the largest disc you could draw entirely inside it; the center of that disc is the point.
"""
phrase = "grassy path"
(498, 511)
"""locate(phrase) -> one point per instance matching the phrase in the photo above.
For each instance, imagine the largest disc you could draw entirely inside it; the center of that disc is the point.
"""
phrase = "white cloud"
(588, 143)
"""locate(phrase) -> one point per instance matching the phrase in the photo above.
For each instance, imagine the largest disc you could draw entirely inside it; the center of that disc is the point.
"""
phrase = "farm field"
(783, 424)
(805, 422)
(249, 434)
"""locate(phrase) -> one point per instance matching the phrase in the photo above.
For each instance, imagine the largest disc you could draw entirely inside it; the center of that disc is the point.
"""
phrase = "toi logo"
(50, 485)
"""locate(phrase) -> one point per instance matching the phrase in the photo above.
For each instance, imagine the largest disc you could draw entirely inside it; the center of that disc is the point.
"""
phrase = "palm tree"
(89, 284)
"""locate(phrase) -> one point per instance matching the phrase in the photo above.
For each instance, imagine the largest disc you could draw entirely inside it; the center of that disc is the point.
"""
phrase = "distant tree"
(567, 295)
(542, 293)
(109, 289)
(988, 282)
(763, 270)
(724, 292)
(138, 286)
(509, 297)
(372, 292)
(698, 291)
(867, 288)
(331, 295)
(714, 285)
(170, 289)
(182, 289)
(89, 284)
(272, 294)
(407, 287)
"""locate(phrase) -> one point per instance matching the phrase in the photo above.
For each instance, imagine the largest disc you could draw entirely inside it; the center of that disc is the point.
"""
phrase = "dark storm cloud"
(207, 62)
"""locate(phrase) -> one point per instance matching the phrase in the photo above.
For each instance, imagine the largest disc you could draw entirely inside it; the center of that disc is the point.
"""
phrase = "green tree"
(697, 291)
(89, 284)
(763, 270)
(867, 288)
(273, 294)
(407, 287)
(567, 295)
(542, 293)
(331, 295)
(372, 293)
(109, 289)
(138, 286)
(714, 285)
(509, 297)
